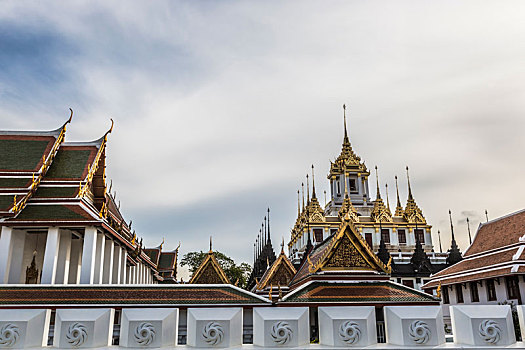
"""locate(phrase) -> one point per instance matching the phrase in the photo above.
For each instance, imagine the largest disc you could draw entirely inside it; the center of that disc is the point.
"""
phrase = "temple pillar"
(107, 264)
(117, 267)
(64, 257)
(89, 254)
(75, 262)
(18, 240)
(99, 258)
(124, 269)
(6, 243)
(49, 269)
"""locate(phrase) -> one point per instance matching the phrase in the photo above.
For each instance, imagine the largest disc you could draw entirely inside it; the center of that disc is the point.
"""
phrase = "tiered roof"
(279, 274)
(498, 250)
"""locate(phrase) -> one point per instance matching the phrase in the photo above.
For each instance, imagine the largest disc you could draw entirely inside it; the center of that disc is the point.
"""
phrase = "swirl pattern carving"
(144, 334)
(213, 333)
(281, 333)
(76, 334)
(9, 334)
(349, 332)
(490, 331)
(419, 332)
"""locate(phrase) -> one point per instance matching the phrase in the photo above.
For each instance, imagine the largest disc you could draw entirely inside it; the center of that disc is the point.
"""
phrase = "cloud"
(221, 107)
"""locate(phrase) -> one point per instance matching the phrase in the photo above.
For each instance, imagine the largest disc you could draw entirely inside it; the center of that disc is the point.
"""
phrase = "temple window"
(444, 294)
(338, 188)
(420, 236)
(513, 290)
(474, 295)
(385, 235)
(353, 185)
(401, 236)
(459, 294)
(368, 239)
(318, 234)
(491, 290)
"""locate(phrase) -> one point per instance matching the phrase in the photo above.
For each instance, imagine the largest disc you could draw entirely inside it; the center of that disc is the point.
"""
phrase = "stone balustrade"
(273, 327)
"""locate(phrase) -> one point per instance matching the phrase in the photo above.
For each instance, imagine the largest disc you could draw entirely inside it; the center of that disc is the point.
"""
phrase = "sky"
(221, 108)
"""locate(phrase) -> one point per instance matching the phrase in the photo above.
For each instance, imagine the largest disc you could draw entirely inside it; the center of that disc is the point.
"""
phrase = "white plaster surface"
(281, 327)
(24, 328)
(214, 327)
(414, 325)
(149, 328)
(83, 328)
(347, 326)
(470, 326)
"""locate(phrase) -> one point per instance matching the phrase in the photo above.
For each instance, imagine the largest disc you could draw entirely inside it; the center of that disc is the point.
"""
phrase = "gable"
(346, 256)
(282, 276)
(209, 272)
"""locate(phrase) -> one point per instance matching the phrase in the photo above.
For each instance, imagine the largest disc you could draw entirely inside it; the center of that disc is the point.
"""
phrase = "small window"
(368, 239)
(444, 295)
(474, 295)
(513, 290)
(353, 185)
(408, 283)
(459, 294)
(419, 235)
(385, 235)
(338, 188)
(401, 236)
(491, 290)
(318, 234)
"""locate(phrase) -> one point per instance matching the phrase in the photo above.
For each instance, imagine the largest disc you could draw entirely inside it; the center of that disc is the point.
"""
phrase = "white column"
(64, 256)
(6, 244)
(123, 265)
(49, 268)
(107, 264)
(117, 264)
(99, 258)
(128, 274)
(75, 261)
(18, 240)
(89, 254)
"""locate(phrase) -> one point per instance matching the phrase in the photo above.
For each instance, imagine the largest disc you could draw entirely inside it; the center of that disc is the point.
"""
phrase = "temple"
(59, 222)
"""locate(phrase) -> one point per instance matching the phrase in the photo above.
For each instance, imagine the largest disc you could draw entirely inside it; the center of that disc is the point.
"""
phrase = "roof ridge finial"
(469, 235)
(298, 204)
(282, 246)
(269, 239)
(397, 192)
(211, 245)
(439, 238)
(313, 183)
(487, 215)
(409, 187)
(265, 231)
(378, 195)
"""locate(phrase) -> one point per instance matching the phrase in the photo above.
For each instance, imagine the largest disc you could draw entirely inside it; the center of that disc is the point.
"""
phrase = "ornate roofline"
(210, 259)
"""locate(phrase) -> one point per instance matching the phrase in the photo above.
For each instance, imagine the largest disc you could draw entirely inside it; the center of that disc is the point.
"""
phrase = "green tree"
(233, 271)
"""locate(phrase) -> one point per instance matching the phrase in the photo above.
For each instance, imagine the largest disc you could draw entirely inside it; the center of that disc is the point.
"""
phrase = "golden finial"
(133, 239)
(344, 118)
(161, 243)
(302, 192)
(70, 117)
(178, 247)
(438, 291)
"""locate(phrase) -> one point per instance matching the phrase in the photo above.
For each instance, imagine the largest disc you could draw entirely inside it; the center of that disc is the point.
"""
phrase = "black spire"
(419, 259)
(454, 254)
(383, 253)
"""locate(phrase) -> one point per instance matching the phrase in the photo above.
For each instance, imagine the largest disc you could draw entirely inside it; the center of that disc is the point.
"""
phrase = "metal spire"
(469, 236)
(397, 193)
(313, 183)
(298, 204)
(344, 116)
(307, 190)
(210, 245)
(378, 195)
(269, 239)
(387, 201)
(451, 226)
(439, 238)
(487, 215)
(409, 188)
(302, 192)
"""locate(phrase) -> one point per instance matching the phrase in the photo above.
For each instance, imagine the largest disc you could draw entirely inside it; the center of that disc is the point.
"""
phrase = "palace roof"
(209, 271)
(159, 295)
(280, 273)
(362, 292)
(498, 249)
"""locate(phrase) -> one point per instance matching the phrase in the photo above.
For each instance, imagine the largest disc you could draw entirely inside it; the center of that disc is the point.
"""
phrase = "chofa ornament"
(144, 334)
(9, 334)
(419, 332)
(349, 332)
(213, 333)
(281, 333)
(490, 331)
(76, 334)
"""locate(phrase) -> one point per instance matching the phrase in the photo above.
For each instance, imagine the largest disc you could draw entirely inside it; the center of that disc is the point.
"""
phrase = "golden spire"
(347, 211)
(399, 208)
(412, 212)
(387, 201)
(345, 140)
(378, 195)
(302, 192)
(313, 183)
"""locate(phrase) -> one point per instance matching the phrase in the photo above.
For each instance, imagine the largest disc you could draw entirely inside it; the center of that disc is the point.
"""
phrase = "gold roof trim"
(210, 259)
